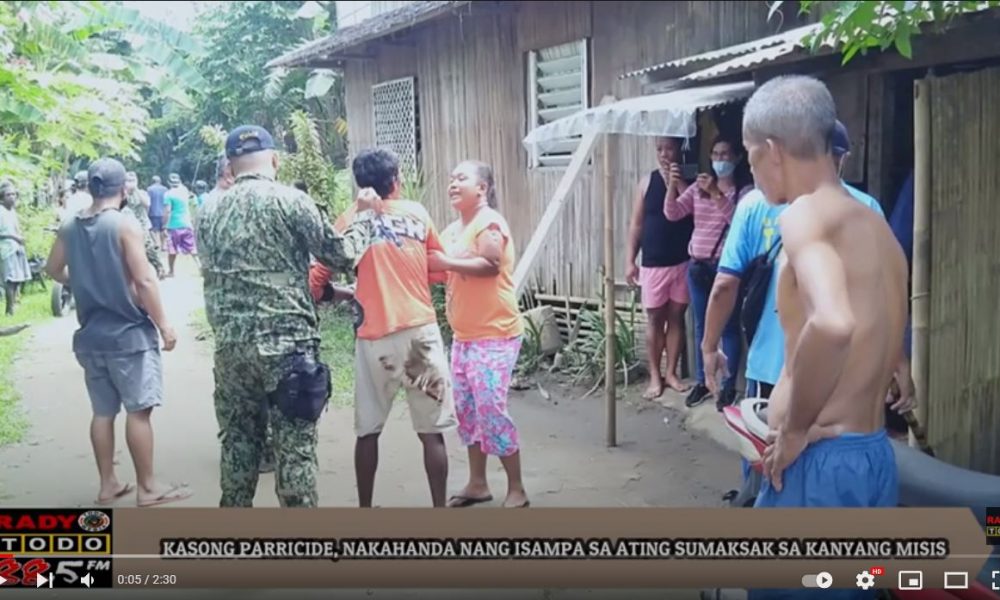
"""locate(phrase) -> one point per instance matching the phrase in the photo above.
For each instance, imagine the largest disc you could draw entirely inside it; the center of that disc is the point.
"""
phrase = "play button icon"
(820, 580)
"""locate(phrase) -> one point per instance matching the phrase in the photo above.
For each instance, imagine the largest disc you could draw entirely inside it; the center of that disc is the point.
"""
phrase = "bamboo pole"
(920, 300)
(610, 358)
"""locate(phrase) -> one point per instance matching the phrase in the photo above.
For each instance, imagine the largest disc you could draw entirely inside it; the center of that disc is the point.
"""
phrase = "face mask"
(723, 168)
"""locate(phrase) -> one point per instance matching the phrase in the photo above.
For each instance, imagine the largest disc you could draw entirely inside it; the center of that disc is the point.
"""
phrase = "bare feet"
(655, 389)
(113, 491)
(516, 499)
(470, 495)
(676, 384)
(163, 494)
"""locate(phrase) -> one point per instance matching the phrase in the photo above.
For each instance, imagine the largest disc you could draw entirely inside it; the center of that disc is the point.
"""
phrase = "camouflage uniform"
(135, 207)
(257, 239)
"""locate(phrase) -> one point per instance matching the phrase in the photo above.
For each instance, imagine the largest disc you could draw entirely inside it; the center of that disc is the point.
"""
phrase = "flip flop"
(526, 504)
(126, 488)
(176, 493)
(464, 501)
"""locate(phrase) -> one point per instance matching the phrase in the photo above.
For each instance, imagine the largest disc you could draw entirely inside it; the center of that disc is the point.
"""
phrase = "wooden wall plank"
(964, 389)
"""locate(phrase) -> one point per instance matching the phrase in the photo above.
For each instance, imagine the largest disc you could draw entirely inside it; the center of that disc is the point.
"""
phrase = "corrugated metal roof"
(370, 29)
(746, 61)
(778, 40)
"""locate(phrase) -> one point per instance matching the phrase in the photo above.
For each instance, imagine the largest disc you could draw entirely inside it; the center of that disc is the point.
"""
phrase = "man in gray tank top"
(119, 310)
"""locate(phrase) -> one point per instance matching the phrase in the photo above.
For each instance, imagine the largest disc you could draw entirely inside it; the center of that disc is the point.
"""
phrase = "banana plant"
(72, 81)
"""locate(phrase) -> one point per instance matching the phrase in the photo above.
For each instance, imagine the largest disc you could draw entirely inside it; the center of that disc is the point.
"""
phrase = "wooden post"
(533, 250)
(921, 301)
(610, 356)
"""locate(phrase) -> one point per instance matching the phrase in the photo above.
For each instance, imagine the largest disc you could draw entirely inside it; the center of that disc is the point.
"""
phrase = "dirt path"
(657, 463)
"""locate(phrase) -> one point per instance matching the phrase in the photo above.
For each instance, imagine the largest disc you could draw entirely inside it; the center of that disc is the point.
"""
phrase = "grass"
(337, 348)
(34, 308)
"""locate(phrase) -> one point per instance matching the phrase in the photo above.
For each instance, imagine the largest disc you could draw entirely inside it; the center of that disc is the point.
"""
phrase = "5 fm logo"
(13, 572)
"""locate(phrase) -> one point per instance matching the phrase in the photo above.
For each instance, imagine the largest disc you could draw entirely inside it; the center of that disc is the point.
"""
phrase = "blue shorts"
(850, 471)
(156, 222)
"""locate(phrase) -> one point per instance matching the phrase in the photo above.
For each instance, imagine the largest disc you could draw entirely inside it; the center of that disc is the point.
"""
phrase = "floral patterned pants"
(481, 371)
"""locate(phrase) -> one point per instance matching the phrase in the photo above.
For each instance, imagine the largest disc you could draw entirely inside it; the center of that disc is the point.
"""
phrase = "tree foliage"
(239, 39)
(74, 80)
(309, 165)
(859, 26)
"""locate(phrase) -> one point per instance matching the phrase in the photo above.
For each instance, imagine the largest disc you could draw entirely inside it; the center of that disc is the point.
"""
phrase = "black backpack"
(756, 282)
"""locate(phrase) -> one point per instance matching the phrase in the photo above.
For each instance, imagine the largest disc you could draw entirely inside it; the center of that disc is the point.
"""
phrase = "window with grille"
(558, 86)
(396, 120)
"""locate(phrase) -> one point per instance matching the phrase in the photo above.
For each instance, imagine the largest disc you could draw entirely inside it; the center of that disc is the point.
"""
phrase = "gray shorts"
(134, 381)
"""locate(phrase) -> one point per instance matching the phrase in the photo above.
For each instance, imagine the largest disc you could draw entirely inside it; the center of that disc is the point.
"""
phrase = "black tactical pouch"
(305, 389)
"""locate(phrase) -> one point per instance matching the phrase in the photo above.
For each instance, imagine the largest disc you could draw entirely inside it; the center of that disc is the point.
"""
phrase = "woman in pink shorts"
(484, 316)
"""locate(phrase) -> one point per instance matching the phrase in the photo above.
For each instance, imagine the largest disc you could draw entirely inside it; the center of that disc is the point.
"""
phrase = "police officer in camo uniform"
(256, 245)
(137, 204)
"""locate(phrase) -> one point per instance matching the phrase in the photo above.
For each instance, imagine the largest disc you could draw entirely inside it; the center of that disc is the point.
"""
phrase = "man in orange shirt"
(399, 344)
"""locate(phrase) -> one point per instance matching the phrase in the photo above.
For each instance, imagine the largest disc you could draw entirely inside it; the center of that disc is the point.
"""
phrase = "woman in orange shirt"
(484, 316)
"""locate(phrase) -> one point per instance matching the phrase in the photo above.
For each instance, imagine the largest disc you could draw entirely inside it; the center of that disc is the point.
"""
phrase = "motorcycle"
(61, 301)
(923, 481)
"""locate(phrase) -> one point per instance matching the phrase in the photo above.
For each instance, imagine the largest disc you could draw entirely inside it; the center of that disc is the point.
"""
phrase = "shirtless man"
(843, 313)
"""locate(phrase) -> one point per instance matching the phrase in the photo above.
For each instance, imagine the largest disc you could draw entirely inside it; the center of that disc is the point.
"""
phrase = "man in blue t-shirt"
(754, 231)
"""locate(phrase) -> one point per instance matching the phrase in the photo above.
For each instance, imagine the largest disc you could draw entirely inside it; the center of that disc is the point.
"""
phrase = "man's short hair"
(376, 168)
(796, 111)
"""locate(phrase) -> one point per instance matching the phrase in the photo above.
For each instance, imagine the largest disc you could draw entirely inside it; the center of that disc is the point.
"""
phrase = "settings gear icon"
(865, 580)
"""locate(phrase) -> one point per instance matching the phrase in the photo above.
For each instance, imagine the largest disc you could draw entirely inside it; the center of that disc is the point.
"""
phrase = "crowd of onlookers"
(166, 211)
(696, 242)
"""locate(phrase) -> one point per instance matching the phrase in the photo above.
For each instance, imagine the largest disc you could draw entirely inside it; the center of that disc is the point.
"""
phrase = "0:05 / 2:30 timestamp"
(146, 579)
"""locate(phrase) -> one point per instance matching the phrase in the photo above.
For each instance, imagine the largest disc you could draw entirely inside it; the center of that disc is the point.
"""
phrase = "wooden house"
(445, 81)
(440, 82)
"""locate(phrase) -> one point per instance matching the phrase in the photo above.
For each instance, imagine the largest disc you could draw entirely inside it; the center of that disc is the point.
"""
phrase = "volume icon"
(87, 580)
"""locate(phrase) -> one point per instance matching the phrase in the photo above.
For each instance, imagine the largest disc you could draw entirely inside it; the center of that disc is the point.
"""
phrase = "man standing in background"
(137, 203)
(178, 221)
(156, 193)
(15, 270)
(80, 198)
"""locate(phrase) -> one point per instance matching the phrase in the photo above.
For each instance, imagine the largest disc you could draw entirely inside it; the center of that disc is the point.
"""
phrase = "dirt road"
(657, 462)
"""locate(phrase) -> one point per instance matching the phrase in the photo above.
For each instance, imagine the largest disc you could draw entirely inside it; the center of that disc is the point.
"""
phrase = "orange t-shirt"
(392, 292)
(482, 308)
